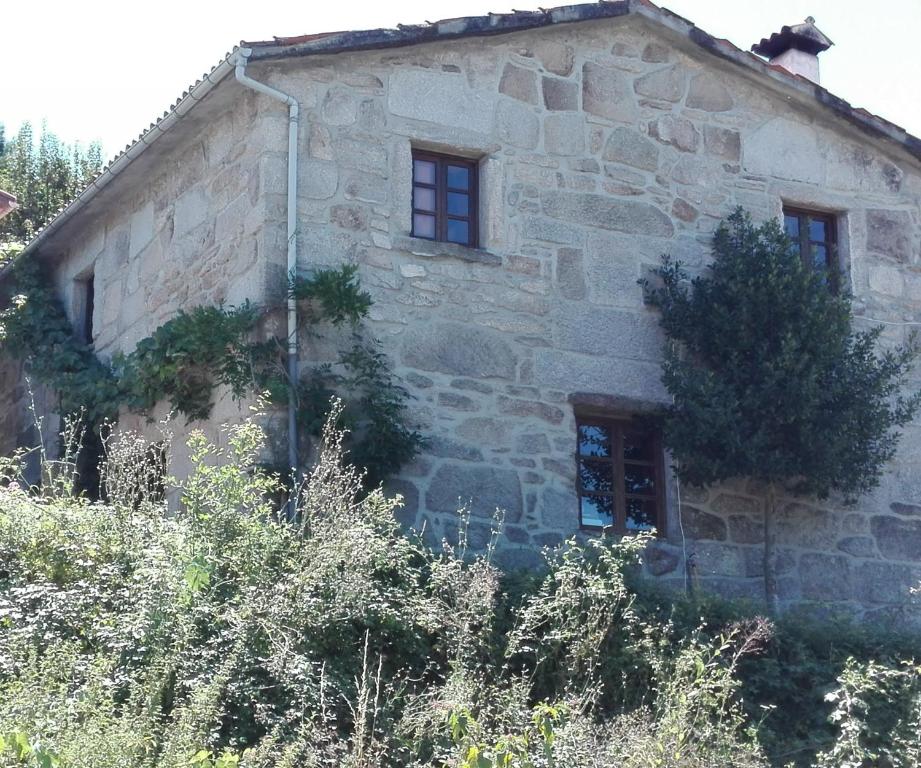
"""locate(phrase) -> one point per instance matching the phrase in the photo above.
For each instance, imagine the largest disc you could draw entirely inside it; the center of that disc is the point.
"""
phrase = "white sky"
(105, 70)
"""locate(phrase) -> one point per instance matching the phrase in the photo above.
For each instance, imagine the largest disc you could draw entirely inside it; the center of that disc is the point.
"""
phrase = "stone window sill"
(418, 246)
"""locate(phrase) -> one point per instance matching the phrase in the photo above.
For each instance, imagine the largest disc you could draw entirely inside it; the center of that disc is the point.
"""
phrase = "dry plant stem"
(770, 546)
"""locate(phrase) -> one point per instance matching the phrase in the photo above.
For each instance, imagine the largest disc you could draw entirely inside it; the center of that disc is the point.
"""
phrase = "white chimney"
(796, 49)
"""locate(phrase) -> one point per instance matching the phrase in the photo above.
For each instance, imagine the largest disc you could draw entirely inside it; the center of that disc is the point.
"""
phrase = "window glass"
(641, 514)
(424, 171)
(424, 199)
(597, 511)
(424, 226)
(596, 476)
(458, 203)
(638, 446)
(458, 232)
(818, 230)
(639, 478)
(819, 256)
(594, 440)
(458, 177)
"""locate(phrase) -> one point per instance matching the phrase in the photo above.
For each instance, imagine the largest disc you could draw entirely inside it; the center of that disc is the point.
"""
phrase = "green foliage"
(799, 659)
(878, 714)
(195, 351)
(510, 751)
(44, 179)
(374, 410)
(185, 357)
(768, 378)
(337, 292)
(35, 328)
(374, 415)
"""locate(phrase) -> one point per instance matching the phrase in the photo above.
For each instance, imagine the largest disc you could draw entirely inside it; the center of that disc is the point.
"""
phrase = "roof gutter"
(293, 375)
(123, 161)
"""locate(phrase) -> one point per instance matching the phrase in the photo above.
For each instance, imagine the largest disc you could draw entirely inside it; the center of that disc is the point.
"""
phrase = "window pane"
(458, 232)
(818, 230)
(596, 476)
(423, 226)
(458, 177)
(641, 514)
(424, 198)
(594, 440)
(424, 171)
(639, 446)
(819, 257)
(639, 479)
(597, 511)
(791, 225)
(458, 203)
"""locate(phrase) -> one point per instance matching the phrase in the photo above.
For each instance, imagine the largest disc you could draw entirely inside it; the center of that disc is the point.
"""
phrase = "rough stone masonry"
(601, 145)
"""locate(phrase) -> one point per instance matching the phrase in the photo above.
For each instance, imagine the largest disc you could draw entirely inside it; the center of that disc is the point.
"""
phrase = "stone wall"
(184, 227)
(601, 146)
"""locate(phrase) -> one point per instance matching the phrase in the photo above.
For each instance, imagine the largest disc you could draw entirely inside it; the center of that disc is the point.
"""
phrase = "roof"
(472, 26)
(803, 37)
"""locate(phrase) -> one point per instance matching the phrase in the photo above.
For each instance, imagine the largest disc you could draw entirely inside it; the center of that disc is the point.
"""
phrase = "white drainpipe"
(293, 111)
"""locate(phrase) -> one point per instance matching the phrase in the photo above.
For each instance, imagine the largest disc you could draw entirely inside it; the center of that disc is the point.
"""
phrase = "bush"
(223, 635)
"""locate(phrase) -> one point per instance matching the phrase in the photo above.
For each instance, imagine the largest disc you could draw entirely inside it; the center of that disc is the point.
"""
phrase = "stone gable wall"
(602, 145)
(188, 232)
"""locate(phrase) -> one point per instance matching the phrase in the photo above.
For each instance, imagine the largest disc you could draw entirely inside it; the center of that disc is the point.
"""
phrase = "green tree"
(769, 379)
(44, 177)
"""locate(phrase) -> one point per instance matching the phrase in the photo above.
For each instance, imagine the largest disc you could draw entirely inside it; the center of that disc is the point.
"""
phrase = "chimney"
(796, 49)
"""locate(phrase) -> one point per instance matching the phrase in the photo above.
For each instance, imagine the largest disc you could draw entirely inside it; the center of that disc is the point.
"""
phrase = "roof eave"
(447, 29)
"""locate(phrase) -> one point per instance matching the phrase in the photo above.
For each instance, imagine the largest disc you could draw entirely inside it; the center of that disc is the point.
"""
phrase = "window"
(84, 305)
(619, 475)
(816, 238)
(444, 198)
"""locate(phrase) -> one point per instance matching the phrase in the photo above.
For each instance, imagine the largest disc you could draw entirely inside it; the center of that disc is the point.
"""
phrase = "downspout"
(293, 114)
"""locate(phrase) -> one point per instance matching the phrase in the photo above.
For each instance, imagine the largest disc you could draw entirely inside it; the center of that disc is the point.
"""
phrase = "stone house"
(502, 182)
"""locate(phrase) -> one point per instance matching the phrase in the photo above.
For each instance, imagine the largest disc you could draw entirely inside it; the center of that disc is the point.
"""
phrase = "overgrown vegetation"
(187, 357)
(769, 379)
(220, 636)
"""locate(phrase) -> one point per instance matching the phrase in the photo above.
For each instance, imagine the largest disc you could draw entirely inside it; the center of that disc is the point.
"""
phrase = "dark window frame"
(805, 242)
(85, 307)
(618, 425)
(441, 188)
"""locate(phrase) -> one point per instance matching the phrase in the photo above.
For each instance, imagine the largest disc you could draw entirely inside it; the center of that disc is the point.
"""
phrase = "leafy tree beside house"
(770, 380)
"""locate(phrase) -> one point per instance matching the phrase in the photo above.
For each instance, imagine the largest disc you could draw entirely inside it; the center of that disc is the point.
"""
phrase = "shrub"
(224, 635)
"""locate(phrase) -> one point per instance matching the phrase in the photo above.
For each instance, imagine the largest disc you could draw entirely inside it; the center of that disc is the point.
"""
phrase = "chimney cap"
(803, 37)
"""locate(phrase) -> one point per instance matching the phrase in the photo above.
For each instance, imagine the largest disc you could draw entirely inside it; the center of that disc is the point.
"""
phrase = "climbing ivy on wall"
(186, 358)
(34, 328)
(188, 355)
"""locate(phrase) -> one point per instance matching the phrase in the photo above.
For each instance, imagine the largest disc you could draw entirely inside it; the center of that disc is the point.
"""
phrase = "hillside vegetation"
(223, 635)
